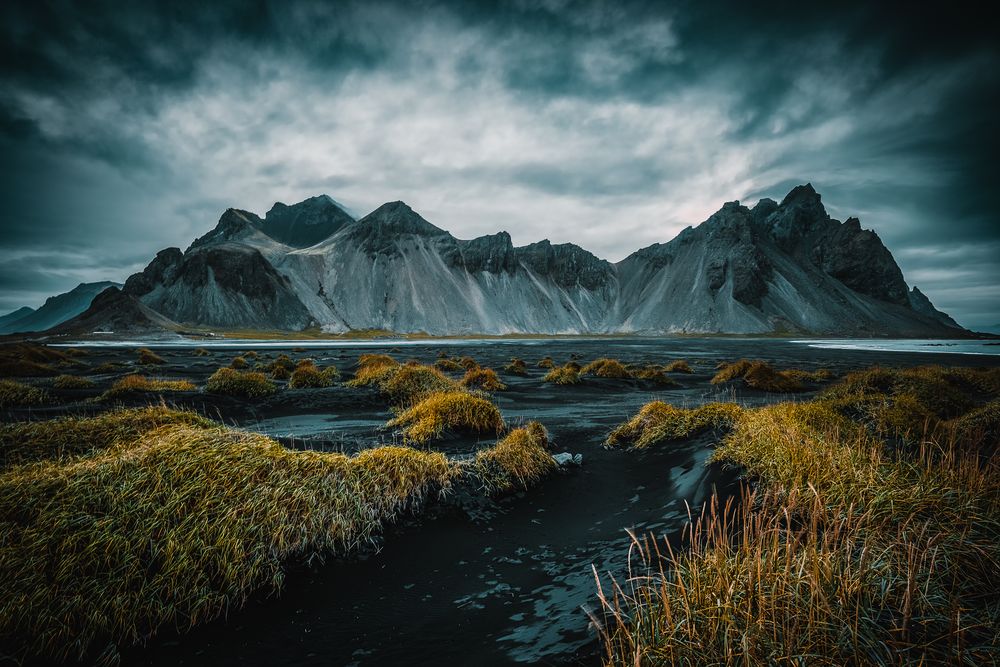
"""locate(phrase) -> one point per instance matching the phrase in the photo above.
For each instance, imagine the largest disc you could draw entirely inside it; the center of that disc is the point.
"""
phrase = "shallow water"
(483, 582)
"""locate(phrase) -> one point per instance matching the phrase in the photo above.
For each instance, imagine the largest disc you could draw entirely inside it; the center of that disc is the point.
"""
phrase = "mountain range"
(56, 309)
(783, 267)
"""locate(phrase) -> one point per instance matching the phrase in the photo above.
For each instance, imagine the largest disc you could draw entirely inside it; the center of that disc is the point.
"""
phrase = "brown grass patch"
(72, 382)
(606, 368)
(759, 375)
(149, 358)
(482, 378)
(19, 395)
(658, 422)
(518, 461)
(243, 384)
(447, 411)
(134, 384)
(563, 375)
(308, 375)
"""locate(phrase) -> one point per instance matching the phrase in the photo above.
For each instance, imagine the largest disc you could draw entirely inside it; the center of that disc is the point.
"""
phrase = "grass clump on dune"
(239, 362)
(372, 369)
(606, 368)
(72, 382)
(111, 552)
(546, 362)
(518, 461)
(654, 374)
(244, 384)
(852, 551)
(25, 442)
(18, 395)
(134, 384)
(658, 422)
(149, 358)
(678, 366)
(202, 352)
(563, 375)
(468, 363)
(447, 411)
(516, 367)
(759, 375)
(482, 378)
(410, 383)
(33, 360)
(448, 366)
(308, 375)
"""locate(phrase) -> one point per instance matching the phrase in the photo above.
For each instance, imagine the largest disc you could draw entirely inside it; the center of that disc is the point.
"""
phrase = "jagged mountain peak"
(398, 217)
(306, 223)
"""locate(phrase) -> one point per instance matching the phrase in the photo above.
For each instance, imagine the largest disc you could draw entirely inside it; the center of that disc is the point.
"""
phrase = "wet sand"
(476, 582)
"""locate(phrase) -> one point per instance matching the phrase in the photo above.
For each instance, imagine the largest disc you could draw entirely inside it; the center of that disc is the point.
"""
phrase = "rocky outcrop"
(786, 267)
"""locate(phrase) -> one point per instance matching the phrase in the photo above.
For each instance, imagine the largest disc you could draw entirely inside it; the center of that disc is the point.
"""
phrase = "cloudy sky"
(129, 127)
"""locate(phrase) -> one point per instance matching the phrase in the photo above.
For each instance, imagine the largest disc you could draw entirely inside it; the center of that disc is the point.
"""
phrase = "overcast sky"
(129, 127)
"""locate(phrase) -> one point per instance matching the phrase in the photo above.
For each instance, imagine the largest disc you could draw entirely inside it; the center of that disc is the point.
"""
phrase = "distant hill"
(10, 318)
(783, 267)
(57, 309)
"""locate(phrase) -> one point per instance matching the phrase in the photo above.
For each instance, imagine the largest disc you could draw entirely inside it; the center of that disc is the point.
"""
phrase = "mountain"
(114, 311)
(10, 318)
(58, 309)
(776, 267)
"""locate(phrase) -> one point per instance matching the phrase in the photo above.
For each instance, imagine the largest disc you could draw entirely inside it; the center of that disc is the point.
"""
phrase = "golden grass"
(244, 384)
(448, 366)
(516, 367)
(759, 375)
(678, 366)
(133, 384)
(72, 382)
(482, 378)
(202, 352)
(149, 358)
(178, 526)
(372, 369)
(658, 422)
(518, 461)
(445, 411)
(546, 362)
(63, 437)
(410, 383)
(468, 363)
(18, 395)
(32, 360)
(563, 375)
(851, 552)
(238, 362)
(654, 374)
(107, 367)
(308, 375)
(606, 368)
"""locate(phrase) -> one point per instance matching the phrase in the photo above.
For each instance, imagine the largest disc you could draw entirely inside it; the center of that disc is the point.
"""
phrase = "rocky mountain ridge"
(776, 267)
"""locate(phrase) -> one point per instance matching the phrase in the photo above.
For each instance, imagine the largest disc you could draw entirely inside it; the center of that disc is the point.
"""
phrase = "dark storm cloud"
(125, 128)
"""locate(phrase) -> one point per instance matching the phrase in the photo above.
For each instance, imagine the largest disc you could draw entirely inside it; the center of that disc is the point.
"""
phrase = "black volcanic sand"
(474, 582)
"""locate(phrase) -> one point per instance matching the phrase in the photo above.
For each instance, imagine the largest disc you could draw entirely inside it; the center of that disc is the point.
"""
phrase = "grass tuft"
(134, 384)
(19, 395)
(546, 362)
(447, 411)
(72, 382)
(307, 375)
(149, 358)
(244, 384)
(448, 366)
(759, 375)
(63, 437)
(658, 422)
(482, 378)
(606, 368)
(518, 461)
(516, 367)
(563, 375)
(238, 362)
(678, 366)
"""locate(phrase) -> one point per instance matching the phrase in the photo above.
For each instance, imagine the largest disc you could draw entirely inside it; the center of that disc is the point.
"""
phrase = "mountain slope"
(778, 267)
(115, 311)
(10, 318)
(59, 308)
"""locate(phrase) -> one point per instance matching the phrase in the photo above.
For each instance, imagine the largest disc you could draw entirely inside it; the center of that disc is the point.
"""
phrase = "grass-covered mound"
(606, 368)
(309, 376)
(658, 422)
(239, 362)
(243, 384)
(26, 442)
(563, 375)
(446, 365)
(760, 375)
(64, 382)
(372, 369)
(518, 461)
(852, 551)
(546, 362)
(178, 526)
(654, 374)
(444, 411)
(149, 358)
(20, 395)
(136, 384)
(516, 367)
(678, 366)
(33, 360)
(482, 378)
